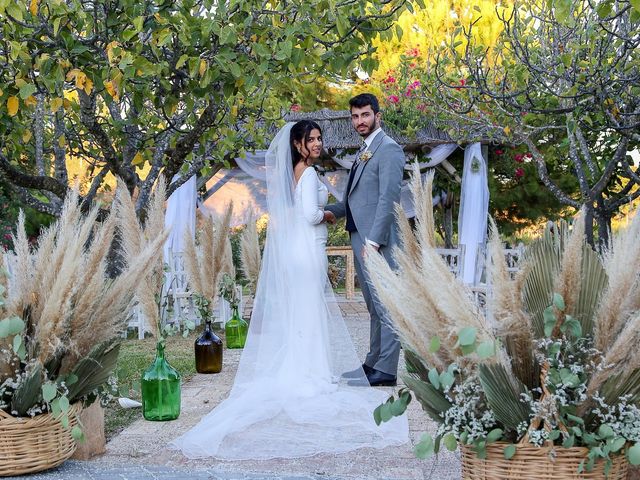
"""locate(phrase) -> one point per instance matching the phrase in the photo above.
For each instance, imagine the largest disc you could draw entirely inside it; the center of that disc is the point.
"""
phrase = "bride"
(289, 398)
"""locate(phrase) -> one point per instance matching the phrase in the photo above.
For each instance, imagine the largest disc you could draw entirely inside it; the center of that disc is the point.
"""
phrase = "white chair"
(453, 257)
(177, 299)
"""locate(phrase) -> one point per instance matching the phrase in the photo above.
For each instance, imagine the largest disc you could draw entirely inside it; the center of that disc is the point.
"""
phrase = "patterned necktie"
(356, 162)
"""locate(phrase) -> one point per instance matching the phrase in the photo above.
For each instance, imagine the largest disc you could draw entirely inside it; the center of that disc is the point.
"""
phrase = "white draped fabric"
(474, 208)
(247, 188)
(180, 217)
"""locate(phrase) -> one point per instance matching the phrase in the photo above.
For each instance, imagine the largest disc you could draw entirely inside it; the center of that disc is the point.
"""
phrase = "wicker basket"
(30, 445)
(536, 463)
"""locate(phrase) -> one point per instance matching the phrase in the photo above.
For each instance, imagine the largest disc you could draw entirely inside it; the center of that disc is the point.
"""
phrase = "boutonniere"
(365, 156)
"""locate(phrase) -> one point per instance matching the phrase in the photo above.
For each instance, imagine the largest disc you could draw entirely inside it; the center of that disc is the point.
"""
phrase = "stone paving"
(139, 452)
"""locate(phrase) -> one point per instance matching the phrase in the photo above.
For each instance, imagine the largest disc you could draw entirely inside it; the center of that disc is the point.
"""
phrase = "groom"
(368, 204)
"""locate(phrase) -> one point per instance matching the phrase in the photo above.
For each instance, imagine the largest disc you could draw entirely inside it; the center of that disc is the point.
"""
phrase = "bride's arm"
(311, 209)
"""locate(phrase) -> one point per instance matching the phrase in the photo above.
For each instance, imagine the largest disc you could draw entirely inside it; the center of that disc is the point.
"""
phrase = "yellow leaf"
(62, 141)
(12, 105)
(138, 159)
(20, 82)
(234, 111)
(1, 92)
(239, 82)
(203, 67)
(112, 88)
(30, 101)
(254, 37)
(88, 85)
(79, 77)
(507, 130)
(26, 136)
(66, 104)
(33, 7)
(110, 48)
(56, 104)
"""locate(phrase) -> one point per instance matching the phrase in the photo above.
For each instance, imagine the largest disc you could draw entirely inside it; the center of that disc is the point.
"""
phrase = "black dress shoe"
(357, 373)
(381, 379)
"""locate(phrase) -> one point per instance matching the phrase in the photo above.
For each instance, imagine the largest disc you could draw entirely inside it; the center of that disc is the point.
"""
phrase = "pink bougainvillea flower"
(393, 98)
(499, 152)
(528, 155)
(519, 172)
(295, 107)
(518, 157)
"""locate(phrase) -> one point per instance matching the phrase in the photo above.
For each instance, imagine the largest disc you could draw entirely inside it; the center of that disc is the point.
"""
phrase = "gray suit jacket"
(374, 192)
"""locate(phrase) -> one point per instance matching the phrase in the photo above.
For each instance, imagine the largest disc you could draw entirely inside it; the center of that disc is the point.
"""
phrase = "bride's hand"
(329, 217)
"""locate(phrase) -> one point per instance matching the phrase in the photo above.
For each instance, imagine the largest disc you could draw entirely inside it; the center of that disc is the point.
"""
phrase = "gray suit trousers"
(384, 343)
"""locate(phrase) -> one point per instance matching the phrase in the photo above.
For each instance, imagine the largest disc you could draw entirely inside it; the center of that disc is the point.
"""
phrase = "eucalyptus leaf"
(434, 378)
(49, 391)
(467, 336)
(450, 442)
(425, 447)
(494, 435)
(11, 326)
(486, 350)
(509, 451)
(558, 302)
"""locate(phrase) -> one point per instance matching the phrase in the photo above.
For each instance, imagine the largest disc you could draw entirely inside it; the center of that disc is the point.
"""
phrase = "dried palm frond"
(250, 257)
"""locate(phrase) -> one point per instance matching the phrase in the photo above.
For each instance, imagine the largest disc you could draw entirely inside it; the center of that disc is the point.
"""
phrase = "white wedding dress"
(288, 399)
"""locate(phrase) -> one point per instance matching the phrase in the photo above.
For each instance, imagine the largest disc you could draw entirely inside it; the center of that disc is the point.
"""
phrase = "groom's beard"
(370, 128)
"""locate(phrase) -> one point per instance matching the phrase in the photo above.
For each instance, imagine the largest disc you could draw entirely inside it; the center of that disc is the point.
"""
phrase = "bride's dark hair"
(300, 133)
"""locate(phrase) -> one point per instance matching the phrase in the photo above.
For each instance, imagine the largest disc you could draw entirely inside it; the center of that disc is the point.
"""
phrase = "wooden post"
(349, 280)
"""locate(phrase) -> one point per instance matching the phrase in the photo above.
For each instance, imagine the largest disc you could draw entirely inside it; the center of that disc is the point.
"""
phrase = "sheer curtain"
(180, 217)
(474, 208)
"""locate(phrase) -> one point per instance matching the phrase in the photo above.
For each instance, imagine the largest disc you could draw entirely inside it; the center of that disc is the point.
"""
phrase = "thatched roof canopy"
(339, 133)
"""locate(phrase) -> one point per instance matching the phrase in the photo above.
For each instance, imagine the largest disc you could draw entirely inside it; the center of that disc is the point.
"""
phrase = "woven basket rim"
(8, 419)
(530, 447)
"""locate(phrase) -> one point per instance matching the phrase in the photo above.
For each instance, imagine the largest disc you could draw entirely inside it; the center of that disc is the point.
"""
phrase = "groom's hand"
(329, 217)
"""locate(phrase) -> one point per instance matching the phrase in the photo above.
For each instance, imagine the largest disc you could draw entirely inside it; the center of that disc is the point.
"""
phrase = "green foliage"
(181, 85)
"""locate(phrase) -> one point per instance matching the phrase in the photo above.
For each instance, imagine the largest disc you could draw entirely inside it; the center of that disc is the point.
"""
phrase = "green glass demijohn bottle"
(235, 330)
(160, 389)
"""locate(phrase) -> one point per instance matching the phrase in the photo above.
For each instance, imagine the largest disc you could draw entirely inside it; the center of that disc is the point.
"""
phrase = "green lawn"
(135, 357)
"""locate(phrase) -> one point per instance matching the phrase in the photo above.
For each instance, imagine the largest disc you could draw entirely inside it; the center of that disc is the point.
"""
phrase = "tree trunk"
(603, 217)
(448, 226)
(588, 225)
